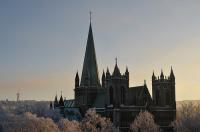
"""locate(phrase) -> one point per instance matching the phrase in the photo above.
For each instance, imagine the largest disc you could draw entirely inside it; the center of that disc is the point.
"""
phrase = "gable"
(138, 95)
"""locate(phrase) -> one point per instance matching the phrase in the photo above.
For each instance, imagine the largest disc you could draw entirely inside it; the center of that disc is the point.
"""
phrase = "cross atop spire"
(116, 60)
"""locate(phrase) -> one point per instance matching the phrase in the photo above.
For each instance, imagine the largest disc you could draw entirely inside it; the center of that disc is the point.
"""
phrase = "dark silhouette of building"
(114, 98)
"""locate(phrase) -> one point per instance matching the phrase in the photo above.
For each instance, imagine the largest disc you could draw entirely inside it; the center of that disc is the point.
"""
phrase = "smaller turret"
(107, 73)
(127, 73)
(56, 102)
(172, 77)
(103, 79)
(153, 77)
(145, 83)
(77, 80)
(161, 75)
(61, 101)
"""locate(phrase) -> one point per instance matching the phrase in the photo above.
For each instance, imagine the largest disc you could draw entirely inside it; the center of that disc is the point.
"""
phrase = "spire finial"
(90, 16)
(61, 92)
(161, 75)
(107, 72)
(144, 82)
(172, 73)
(116, 60)
(162, 72)
(126, 68)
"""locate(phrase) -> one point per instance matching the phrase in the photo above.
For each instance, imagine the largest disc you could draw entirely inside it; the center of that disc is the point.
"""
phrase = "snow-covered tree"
(144, 122)
(93, 122)
(28, 123)
(69, 126)
(40, 108)
(188, 118)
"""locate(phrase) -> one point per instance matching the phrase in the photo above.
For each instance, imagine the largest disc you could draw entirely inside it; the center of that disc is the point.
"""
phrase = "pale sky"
(42, 43)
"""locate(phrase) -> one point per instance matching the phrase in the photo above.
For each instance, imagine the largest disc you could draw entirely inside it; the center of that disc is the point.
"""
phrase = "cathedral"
(114, 98)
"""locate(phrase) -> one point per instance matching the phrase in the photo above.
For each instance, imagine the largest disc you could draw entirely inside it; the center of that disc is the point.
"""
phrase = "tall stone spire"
(90, 64)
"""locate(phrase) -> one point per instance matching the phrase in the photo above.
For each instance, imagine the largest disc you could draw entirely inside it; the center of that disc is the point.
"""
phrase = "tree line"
(34, 116)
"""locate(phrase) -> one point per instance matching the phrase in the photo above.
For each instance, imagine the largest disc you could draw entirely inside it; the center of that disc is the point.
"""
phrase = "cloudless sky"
(42, 43)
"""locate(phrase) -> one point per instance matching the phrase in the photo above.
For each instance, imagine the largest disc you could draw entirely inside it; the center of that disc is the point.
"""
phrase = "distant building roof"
(138, 94)
(70, 111)
(69, 103)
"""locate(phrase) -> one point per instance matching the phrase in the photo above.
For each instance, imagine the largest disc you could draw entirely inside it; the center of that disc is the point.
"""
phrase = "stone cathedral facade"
(114, 98)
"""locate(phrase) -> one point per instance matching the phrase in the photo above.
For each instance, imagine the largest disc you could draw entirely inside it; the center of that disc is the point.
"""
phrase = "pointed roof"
(107, 73)
(61, 102)
(103, 75)
(116, 71)
(161, 75)
(77, 76)
(153, 75)
(126, 69)
(172, 73)
(56, 99)
(145, 83)
(90, 64)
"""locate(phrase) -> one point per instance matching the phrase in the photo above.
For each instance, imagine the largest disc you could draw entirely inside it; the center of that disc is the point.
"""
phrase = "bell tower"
(163, 90)
(117, 85)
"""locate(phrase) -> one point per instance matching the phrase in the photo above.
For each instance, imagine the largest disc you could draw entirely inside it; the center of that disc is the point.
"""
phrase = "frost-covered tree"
(28, 123)
(188, 118)
(40, 108)
(144, 122)
(69, 126)
(93, 122)
(29, 116)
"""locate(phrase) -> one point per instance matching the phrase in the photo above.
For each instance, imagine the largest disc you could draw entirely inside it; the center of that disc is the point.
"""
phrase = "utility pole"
(18, 95)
